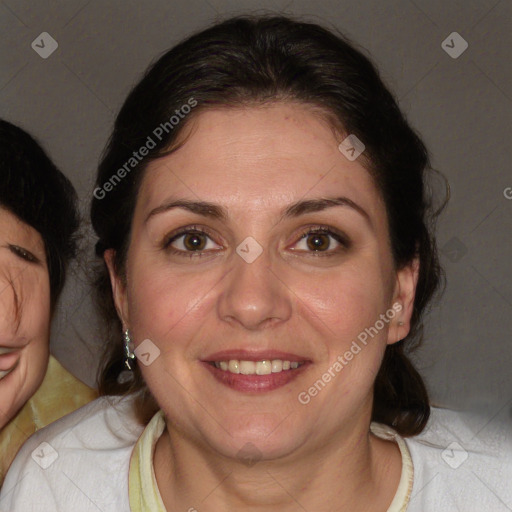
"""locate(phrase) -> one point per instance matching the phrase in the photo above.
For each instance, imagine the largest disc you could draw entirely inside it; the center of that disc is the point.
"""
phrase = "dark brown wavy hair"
(252, 60)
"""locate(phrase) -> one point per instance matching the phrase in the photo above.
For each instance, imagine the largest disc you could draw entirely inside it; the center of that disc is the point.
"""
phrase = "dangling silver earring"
(129, 355)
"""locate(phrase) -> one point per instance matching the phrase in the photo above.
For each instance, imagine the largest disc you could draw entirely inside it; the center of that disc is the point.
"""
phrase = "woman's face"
(238, 282)
(24, 313)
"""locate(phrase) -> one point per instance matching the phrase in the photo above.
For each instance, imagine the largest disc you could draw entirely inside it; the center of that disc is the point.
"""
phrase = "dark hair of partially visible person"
(256, 60)
(35, 191)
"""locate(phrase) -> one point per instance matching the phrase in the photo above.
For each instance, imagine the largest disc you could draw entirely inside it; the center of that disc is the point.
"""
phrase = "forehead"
(259, 158)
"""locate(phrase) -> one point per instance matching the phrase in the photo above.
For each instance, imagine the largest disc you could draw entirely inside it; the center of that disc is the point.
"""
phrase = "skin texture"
(24, 313)
(254, 162)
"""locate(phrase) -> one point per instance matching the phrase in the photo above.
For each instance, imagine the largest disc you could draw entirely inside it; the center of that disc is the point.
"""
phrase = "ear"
(403, 301)
(118, 288)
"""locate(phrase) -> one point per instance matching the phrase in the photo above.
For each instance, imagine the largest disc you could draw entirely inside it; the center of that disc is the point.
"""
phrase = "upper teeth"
(264, 367)
(3, 373)
(6, 350)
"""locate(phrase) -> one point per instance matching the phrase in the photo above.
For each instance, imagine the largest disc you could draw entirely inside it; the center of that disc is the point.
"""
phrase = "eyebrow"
(296, 209)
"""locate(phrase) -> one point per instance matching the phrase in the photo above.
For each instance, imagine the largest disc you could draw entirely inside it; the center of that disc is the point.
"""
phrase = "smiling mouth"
(255, 371)
(263, 367)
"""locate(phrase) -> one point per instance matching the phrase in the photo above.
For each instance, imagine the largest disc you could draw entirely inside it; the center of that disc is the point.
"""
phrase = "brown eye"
(194, 241)
(318, 241)
(322, 241)
(191, 241)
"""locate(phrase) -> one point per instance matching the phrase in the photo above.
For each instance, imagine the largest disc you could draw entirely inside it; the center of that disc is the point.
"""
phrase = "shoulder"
(462, 461)
(59, 394)
(79, 460)
(56, 374)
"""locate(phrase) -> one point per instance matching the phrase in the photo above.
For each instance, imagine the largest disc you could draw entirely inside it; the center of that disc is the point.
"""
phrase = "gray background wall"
(461, 106)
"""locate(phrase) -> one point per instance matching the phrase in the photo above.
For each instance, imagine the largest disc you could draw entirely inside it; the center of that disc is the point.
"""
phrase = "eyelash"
(196, 230)
(23, 253)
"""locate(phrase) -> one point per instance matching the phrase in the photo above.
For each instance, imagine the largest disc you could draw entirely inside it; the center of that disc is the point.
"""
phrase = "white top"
(143, 488)
(85, 462)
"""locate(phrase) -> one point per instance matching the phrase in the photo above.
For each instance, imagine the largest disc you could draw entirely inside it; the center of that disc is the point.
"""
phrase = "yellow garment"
(142, 486)
(59, 394)
(145, 495)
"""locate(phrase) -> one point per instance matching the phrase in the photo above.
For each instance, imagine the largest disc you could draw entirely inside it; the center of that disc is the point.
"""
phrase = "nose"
(253, 296)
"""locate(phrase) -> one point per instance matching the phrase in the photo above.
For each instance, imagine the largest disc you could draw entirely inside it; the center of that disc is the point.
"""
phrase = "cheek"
(36, 303)
(163, 303)
(347, 300)
(8, 309)
(31, 330)
(35, 325)
(25, 304)
(344, 305)
(345, 308)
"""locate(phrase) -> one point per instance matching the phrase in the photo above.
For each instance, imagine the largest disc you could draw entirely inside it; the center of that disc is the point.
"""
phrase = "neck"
(353, 471)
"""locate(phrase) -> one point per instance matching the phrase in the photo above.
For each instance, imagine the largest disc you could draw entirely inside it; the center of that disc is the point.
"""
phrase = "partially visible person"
(38, 223)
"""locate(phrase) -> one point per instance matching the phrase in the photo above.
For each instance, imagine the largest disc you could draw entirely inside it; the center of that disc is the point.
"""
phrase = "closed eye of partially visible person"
(38, 221)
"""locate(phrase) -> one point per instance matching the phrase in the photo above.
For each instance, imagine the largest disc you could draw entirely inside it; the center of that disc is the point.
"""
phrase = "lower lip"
(255, 383)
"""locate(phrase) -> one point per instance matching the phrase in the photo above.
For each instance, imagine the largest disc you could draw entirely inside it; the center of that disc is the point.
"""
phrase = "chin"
(265, 436)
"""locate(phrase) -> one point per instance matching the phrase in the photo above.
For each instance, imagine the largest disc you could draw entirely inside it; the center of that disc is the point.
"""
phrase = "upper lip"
(254, 355)
(12, 341)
